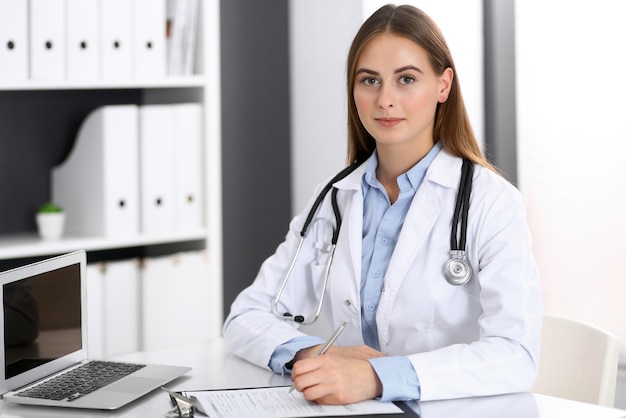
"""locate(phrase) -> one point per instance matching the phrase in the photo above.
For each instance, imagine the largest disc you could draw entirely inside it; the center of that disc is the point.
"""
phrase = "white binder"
(113, 308)
(116, 39)
(185, 279)
(149, 38)
(14, 39)
(98, 183)
(83, 39)
(156, 147)
(122, 301)
(95, 310)
(188, 153)
(47, 39)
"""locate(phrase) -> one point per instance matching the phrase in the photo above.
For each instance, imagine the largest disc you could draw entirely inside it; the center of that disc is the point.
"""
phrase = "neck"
(394, 160)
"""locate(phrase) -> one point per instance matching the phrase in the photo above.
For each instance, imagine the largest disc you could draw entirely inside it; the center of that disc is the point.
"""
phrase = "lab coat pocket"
(318, 276)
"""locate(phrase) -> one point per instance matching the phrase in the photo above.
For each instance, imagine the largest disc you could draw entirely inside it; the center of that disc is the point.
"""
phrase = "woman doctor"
(410, 334)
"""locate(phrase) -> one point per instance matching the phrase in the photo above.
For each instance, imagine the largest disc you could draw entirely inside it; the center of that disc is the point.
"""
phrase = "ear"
(445, 84)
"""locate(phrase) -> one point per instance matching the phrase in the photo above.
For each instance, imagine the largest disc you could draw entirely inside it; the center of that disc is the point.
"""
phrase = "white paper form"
(277, 402)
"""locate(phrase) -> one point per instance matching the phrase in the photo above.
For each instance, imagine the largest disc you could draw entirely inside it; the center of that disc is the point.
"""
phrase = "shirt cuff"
(285, 352)
(398, 378)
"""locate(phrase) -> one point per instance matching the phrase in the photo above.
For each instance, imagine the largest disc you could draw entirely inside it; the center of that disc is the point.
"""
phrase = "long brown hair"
(452, 126)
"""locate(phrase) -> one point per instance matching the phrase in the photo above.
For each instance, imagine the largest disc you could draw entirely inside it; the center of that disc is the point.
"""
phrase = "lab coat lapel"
(351, 207)
(422, 216)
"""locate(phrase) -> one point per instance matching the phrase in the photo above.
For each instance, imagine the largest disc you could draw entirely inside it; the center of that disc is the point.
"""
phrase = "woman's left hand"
(331, 379)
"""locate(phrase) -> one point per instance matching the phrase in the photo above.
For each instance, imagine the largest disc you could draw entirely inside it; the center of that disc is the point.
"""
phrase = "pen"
(326, 346)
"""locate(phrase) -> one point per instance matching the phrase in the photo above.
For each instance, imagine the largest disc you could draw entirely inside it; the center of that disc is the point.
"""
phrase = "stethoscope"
(457, 270)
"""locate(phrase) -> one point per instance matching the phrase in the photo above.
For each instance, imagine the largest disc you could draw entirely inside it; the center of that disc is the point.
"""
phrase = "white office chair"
(578, 361)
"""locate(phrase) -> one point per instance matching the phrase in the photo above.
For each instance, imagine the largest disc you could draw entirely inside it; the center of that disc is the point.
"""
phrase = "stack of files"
(83, 39)
(13, 39)
(98, 184)
(182, 18)
(133, 38)
(134, 169)
(170, 147)
(178, 274)
(113, 290)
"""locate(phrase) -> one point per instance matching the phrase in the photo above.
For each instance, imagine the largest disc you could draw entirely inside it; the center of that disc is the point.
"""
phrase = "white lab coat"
(481, 338)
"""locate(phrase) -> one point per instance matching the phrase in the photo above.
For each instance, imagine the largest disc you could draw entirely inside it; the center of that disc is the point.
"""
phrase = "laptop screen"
(42, 318)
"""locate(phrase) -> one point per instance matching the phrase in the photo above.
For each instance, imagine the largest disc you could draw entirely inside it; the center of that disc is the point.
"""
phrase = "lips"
(388, 122)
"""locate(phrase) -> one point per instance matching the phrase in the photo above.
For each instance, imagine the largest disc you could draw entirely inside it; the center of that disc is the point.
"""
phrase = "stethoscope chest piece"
(457, 269)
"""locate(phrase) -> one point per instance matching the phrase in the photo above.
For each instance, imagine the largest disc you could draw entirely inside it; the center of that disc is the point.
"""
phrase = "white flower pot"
(50, 225)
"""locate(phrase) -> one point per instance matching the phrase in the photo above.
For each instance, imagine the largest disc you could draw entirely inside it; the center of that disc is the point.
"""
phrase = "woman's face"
(396, 92)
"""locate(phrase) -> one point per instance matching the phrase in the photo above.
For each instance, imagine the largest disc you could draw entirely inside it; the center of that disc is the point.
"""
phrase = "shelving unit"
(51, 127)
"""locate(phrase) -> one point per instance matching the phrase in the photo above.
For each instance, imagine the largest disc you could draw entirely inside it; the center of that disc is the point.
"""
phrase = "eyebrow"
(399, 70)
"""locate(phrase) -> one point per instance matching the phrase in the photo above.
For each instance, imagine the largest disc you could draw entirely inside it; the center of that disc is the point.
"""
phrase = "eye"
(406, 79)
(369, 81)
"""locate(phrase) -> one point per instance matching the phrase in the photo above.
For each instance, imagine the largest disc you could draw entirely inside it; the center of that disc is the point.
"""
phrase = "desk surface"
(213, 368)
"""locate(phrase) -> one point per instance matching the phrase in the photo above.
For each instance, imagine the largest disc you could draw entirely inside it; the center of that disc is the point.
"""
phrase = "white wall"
(321, 32)
(571, 147)
(320, 36)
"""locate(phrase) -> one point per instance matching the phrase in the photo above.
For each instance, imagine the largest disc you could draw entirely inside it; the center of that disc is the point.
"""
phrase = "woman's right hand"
(357, 352)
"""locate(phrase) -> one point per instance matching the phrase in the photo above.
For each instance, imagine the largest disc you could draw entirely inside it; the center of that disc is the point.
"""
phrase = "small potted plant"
(50, 221)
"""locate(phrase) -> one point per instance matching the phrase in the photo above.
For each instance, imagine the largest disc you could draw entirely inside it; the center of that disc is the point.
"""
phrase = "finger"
(304, 366)
(327, 381)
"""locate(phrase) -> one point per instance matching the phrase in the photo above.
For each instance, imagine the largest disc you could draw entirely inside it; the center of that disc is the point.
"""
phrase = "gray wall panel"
(500, 110)
(255, 136)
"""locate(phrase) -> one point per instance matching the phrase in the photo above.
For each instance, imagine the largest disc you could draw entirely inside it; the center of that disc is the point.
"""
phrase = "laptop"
(44, 336)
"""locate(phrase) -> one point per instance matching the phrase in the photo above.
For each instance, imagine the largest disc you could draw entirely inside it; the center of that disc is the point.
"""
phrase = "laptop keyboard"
(80, 381)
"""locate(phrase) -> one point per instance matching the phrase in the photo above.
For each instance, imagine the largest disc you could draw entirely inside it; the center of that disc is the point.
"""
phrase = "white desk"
(214, 368)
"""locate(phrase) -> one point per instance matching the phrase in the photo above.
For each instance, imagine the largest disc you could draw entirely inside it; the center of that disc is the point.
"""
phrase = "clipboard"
(191, 401)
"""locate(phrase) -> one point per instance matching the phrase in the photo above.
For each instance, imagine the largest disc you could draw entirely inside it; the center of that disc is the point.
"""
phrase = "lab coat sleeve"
(504, 357)
(251, 330)
(286, 352)
(397, 377)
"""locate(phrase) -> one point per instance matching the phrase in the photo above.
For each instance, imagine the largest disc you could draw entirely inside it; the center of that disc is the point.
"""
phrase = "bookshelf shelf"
(28, 245)
(191, 81)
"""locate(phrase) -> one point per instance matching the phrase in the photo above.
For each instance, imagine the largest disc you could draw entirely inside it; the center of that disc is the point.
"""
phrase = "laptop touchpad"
(133, 385)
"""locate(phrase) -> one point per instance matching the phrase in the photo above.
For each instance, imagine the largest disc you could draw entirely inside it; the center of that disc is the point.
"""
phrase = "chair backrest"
(578, 361)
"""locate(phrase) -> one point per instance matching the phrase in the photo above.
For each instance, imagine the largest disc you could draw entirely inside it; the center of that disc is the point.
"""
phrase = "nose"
(386, 97)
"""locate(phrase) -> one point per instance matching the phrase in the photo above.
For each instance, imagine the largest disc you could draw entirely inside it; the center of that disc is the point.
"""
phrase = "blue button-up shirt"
(382, 223)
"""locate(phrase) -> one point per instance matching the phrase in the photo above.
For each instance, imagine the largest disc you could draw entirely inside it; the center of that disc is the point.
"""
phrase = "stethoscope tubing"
(461, 207)
(303, 233)
(285, 279)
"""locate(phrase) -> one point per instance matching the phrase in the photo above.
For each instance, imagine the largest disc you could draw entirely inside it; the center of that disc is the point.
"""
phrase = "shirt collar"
(412, 178)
